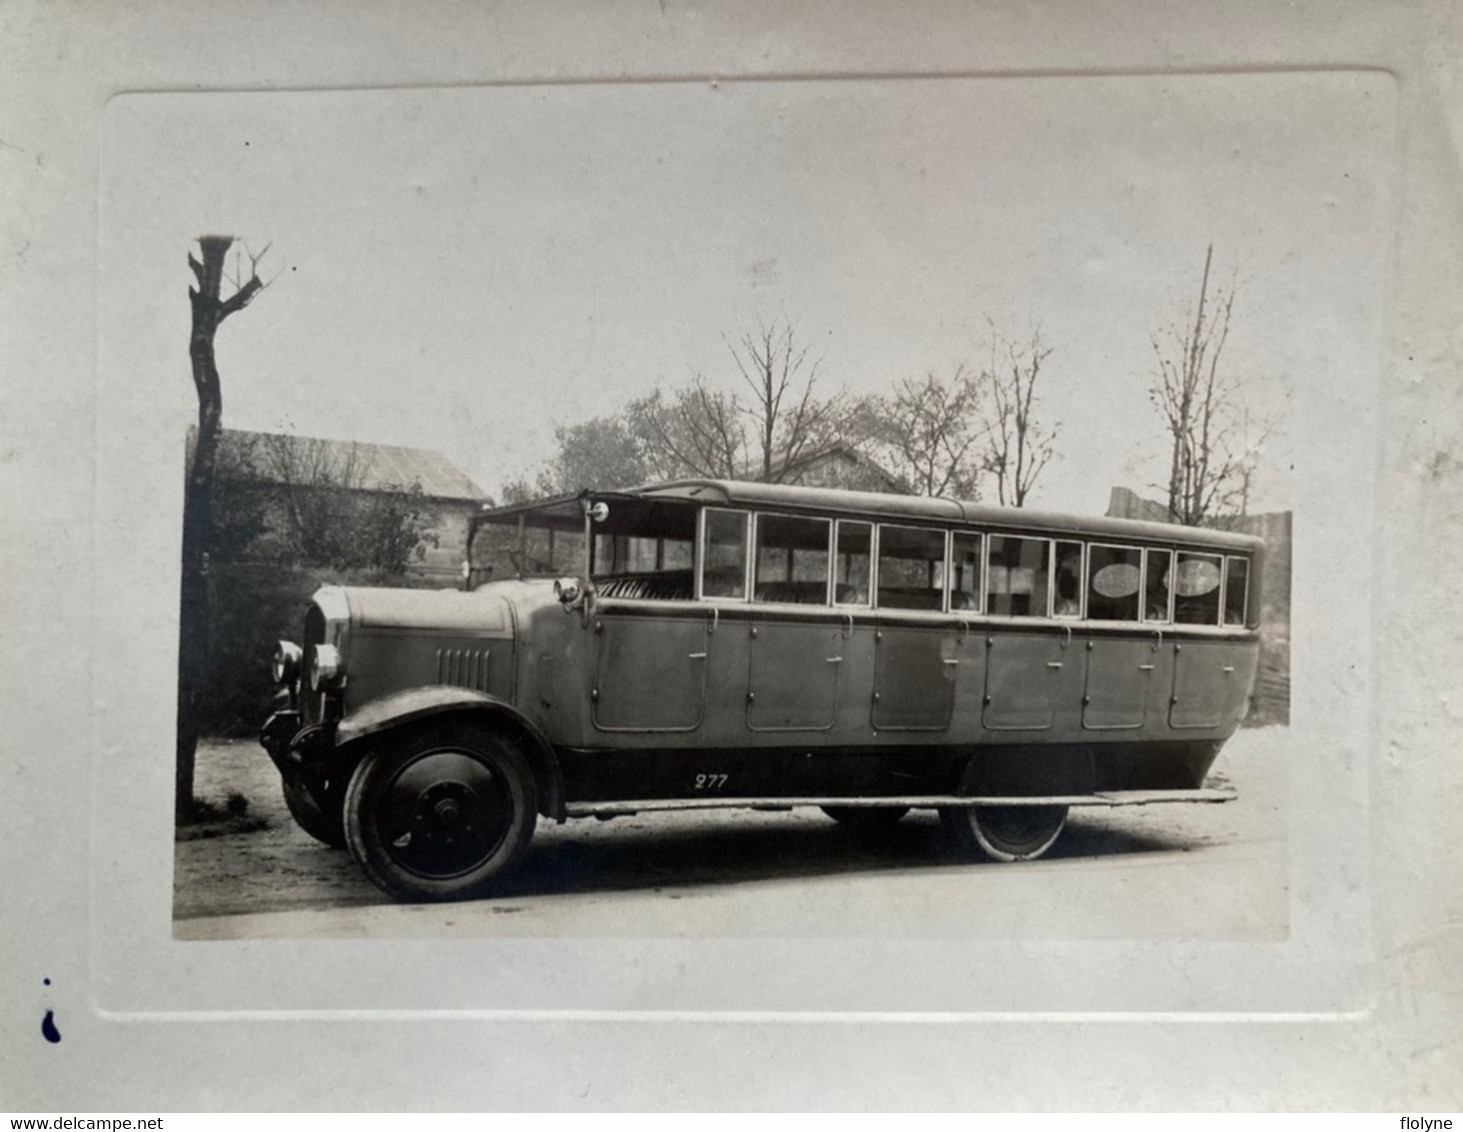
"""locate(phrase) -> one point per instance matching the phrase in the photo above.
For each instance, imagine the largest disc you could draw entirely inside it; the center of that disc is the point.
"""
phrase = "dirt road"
(1193, 871)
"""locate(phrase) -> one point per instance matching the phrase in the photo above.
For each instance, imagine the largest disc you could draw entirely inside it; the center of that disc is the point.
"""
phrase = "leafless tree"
(1214, 440)
(929, 433)
(694, 431)
(762, 429)
(1018, 445)
(210, 309)
(788, 420)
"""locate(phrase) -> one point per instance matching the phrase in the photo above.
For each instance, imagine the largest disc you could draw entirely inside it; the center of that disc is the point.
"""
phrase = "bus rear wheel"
(442, 814)
(1005, 833)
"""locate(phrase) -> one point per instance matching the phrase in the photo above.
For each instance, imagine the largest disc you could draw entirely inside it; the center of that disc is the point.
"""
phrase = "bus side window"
(1114, 582)
(1157, 570)
(911, 568)
(1067, 598)
(851, 578)
(1236, 590)
(1196, 589)
(724, 555)
(1017, 575)
(965, 572)
(792, 560)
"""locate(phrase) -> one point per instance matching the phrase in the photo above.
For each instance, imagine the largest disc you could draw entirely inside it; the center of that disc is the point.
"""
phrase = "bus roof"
(878, 505)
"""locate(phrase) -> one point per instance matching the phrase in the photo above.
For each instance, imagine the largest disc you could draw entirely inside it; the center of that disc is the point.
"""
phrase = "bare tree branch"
(1211, 459)
(1018, 446)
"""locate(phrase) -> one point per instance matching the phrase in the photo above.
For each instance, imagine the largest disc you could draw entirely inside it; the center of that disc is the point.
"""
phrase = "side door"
(796, 649)
(916, 645)
(649, 667)
(1120, 660)
(650, 636)
(1026, 663)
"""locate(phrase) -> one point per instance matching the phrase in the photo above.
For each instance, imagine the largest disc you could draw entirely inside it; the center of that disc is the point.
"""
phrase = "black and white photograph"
(827, 537)
(833, 471)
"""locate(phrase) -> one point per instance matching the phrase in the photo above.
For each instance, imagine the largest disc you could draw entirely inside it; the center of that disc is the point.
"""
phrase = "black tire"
(441, 813)
(323, 826)
(866, 819)
(1005, 833)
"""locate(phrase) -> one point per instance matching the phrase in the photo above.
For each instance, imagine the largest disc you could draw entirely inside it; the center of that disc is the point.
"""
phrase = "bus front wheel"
(442, 814)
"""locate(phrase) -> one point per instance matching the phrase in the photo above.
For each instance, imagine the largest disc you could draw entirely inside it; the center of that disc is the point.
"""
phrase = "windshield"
(531, 542)
(632, 539)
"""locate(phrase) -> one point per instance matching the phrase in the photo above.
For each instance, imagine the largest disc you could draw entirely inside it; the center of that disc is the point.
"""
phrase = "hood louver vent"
(463, 668)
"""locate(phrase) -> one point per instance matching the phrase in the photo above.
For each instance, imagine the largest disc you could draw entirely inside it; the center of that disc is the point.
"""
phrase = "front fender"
(399, 708)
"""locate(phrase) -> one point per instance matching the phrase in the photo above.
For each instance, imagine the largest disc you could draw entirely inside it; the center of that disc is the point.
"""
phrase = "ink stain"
(48, 1028)
(47, 981)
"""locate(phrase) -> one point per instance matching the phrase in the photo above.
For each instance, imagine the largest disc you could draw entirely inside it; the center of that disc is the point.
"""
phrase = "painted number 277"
(710, 781)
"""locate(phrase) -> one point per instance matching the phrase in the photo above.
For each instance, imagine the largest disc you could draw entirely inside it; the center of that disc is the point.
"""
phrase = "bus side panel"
(1023, 674)
(795, 671)
(1119, 683)
(914, 679)
(649, 672)
(1211, 683)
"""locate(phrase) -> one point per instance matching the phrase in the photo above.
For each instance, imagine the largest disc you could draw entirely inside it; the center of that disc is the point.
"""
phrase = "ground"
(1194, 870)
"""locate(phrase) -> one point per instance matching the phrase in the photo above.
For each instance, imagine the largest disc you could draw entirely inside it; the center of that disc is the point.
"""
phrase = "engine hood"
(480, 613)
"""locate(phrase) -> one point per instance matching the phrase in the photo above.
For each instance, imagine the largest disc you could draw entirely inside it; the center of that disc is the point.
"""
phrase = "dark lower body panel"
(861, 772)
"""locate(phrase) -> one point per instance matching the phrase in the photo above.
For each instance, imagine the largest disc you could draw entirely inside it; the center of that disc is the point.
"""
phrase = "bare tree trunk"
(208, 311)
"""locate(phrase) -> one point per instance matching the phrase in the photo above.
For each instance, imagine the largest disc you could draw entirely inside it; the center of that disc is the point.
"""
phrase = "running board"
(916, 801)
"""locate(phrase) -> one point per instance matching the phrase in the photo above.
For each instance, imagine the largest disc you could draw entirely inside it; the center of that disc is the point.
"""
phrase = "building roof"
(376, 467)
(789, 470)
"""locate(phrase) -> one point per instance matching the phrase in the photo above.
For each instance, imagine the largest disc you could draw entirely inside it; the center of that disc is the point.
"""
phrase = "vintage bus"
(725, 644)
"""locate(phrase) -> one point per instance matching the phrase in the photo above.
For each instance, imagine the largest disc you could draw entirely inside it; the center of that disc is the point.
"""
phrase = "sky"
(462, 269)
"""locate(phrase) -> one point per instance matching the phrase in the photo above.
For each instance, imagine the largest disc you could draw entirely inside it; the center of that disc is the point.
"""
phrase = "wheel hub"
(444, 812)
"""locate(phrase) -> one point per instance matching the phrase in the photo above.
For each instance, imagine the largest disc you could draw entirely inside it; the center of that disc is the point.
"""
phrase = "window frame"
(1141, 592)
(1050, 569)
(981, 538)
(700, 556)
(875, 582)
(1218, 591)
(754, 547)
(1148, 553)
(1084, 548)
(868, 602)
(1244, 620)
